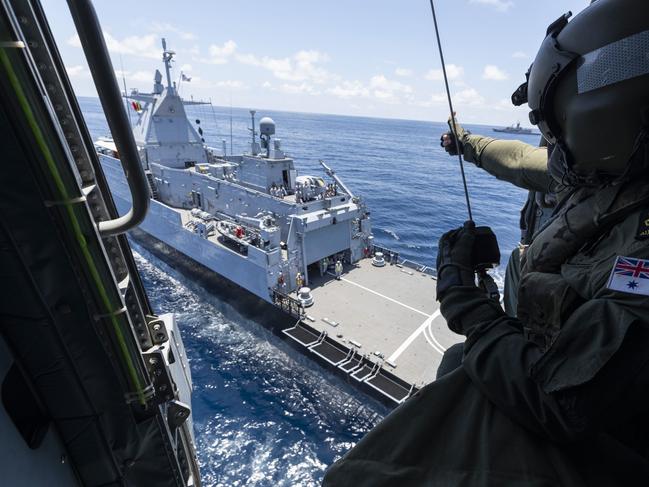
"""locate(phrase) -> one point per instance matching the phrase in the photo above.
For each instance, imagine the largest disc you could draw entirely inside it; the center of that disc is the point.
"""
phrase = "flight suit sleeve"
(521, 164)
(604, 379)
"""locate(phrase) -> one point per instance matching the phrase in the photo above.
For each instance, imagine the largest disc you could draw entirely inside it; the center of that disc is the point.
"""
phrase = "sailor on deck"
(299, 281)
(338, 269)
(324, 265)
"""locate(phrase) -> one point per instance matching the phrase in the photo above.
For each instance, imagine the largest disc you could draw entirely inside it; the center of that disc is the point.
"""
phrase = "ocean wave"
(263, 413)
(391, 233)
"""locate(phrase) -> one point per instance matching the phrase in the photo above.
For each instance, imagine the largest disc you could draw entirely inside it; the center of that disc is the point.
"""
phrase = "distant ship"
(300, 245)
(515, 129)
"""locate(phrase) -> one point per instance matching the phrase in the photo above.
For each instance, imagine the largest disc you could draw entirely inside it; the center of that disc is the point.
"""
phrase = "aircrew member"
(557, 395)
(523, 165)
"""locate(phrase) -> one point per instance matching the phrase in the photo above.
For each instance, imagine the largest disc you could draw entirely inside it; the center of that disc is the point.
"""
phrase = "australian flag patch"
(630, 275)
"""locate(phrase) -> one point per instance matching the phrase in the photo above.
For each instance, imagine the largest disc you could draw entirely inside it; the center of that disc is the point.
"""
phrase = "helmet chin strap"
(561, 170)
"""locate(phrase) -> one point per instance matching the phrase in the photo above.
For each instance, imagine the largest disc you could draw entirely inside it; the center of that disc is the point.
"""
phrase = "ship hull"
(243, 287)
(165, 224)
(518, 132)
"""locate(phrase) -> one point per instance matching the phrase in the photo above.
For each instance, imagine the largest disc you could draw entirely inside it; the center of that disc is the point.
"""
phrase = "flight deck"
(386, 312)
(377, 323)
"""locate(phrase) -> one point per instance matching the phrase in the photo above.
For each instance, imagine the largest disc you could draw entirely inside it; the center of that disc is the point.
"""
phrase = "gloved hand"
(455, 258)
(447, 140)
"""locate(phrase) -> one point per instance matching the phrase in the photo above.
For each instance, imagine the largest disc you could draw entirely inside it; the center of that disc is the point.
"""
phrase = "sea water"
(264, 415)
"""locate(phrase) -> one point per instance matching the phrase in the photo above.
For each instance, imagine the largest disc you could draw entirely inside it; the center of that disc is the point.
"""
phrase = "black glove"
(455, 259)
(451, 148)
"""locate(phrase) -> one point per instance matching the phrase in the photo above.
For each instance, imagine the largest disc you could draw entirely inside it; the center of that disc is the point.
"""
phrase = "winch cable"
(450, 106)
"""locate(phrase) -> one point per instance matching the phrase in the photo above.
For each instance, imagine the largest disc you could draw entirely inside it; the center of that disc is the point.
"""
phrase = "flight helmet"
(588, 90)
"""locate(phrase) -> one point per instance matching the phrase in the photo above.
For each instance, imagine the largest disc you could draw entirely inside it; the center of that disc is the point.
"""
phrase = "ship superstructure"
(254, 220)
(268, 221)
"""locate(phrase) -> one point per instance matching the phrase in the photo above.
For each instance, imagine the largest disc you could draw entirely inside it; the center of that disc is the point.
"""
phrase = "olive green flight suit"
(513, 161)
(570, 409)
(525, 166)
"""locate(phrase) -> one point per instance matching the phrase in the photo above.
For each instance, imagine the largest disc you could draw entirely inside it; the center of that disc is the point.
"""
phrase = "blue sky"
(354, 57)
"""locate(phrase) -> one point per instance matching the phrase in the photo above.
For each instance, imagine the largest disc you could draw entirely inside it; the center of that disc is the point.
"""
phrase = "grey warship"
(515, 129)
(300, 244)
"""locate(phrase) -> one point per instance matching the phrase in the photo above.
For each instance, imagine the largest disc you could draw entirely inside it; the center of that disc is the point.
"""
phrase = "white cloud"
(439, 98)
(141, 76)
(494, 73)
(299, 89)
(74, 71)
(403, 72)
(302, 66)
(453, 71)
(388, 90)
(379, 87)
(469, 96)
(221, 54)
(231, 84)
(465, 97)
(504, 104)
(434, 99)
(131, 76)
(141, 46)
(167, 28)
(501, 5)
(520, 55)
(350, 89)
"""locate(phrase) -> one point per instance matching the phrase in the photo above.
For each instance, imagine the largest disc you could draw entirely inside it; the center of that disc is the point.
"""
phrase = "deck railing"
(392, 257)
(288, 304)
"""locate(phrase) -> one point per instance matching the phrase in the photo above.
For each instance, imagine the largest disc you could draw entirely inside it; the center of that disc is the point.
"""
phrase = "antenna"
(231, 124)
(254, 133)
(450, 106)
(128, 108)
(216, 123)
(166, 59)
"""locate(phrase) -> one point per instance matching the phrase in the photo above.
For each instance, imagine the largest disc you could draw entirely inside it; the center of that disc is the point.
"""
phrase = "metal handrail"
(289, 304)
(94, 47)
(405, 262)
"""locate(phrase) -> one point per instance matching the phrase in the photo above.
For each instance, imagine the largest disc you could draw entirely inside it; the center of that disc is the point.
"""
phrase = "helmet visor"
(618, 61)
